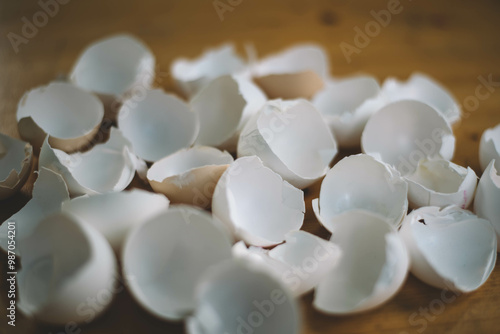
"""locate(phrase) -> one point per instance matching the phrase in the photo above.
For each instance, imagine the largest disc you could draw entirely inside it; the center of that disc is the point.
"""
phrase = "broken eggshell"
(423, 88)
(223, 107)
(70, 116)
(16, 157)
(450, 248)
(256, 204)
(115, 214)
(113, 66)
(233, 297)
(404, 132)
(299, 264)
(361, 182)
(49, 192)
(487, 198)
(65, 264)
(189, 176)
(346, 105)
(164, 258)
(292, 139)
(489, 148)
(438, 182)
(296, 72)
(107, 167)
(158, 125)
(373, 266)
(192, 75)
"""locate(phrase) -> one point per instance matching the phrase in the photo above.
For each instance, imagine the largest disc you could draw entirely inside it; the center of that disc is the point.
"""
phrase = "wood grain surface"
(456, 42)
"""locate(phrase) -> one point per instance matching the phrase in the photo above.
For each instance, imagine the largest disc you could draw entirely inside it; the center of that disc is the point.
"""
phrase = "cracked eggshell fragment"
(192, 75)
(488, 197)
(256, 204)
(223, 107)
(49, 192)
(65, 263)
(423, 88)
(346, 105)
(404, 132)
(292, 139)
(296, 72)
(115, 214)
(361, 182)
(189, 176)
(16, 157)
(70, 115)
(107, 167)
(299, 264)
(450, 248)
(164, 258)
(489, 148)
(113, 66)
(373, 266)
(233, 297)
(438, 182)
(158, 125)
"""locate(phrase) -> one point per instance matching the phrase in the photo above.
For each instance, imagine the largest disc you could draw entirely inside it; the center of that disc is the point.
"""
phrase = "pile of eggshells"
(230, 254)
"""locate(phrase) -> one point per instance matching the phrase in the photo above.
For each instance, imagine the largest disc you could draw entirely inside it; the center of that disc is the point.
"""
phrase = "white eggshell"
(404, 132)
(489, 148)
(158, 125)
(70, 115)
(296, 72)
(49, 192)
(361, 182)
(450, 248)
(299, 264)
(192, 75)
(108, 167)
(256, 204)
(223, 107)
(114, 65)
(16, 157)
(346, 105)
(438, 182)
(189, 175)
(423, 88)
(373, 266)
(233, 297)
(164, 258)
(486, 202)
(115, 214)
(65, 264)
(292, 139)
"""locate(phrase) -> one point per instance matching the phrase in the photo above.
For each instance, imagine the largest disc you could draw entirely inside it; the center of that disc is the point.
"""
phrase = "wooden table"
(455, 42)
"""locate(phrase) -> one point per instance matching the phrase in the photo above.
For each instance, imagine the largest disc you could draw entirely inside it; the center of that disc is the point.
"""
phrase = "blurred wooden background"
(456, 42)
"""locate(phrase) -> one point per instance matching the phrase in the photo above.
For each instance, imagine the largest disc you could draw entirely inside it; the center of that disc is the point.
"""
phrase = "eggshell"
(70, 115)
(191, 75)
(65, 264)
(158, 125)
(292, 139)
(115, 214)
(450, 248)
(404, 132)
(16, 157)
(49, 191)
(189, 175)
(164, 258)
(489, 148)
(233, 297)
(487, 198)
(438, 182)
(256, 204)
(364, 183)
(372, 269)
